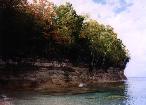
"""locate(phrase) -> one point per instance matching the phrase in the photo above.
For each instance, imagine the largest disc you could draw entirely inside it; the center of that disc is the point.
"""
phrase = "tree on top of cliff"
(106, 49)
(23, 27)
(68, 22)
(58, 32)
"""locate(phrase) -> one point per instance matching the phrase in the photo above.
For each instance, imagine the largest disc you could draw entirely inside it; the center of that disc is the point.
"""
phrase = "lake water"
(132, 93)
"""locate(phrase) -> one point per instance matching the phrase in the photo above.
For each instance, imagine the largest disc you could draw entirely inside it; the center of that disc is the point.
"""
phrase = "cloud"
(128, 19)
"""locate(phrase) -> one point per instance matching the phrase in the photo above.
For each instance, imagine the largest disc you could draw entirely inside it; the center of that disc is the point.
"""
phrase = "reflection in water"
(133, 92)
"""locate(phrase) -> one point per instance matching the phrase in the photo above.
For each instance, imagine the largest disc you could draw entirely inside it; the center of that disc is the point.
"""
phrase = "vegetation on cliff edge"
(42, 29)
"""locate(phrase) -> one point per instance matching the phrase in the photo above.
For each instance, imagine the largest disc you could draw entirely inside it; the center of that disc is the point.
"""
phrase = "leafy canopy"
(42, 29)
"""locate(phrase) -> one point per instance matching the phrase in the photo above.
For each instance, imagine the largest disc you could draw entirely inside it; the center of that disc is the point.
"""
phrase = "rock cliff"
(54, 75)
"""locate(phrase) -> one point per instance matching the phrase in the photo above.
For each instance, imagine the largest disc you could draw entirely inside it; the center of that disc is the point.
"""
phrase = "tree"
(106, 50)
(68, 22)
(58, 32)
(22, 29)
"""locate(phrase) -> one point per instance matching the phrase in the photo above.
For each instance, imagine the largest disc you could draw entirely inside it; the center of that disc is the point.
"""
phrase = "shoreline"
(55, 75)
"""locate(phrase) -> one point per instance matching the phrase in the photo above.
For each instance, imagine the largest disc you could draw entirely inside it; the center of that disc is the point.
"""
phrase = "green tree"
(58, 32)
(68, 22)
(106, 50)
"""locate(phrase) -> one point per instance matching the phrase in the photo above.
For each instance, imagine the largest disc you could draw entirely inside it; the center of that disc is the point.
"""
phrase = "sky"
(128, 18)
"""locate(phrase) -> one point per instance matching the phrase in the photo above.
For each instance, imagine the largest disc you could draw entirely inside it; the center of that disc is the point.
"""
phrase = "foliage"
(22, 29)
(68, 22)
(106, 49)
(58, 32)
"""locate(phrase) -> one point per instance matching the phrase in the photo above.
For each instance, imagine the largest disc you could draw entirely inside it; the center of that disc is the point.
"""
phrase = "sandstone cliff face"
(53, 75)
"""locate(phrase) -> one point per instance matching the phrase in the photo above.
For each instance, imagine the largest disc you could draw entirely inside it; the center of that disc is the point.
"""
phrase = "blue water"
(132, 92)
